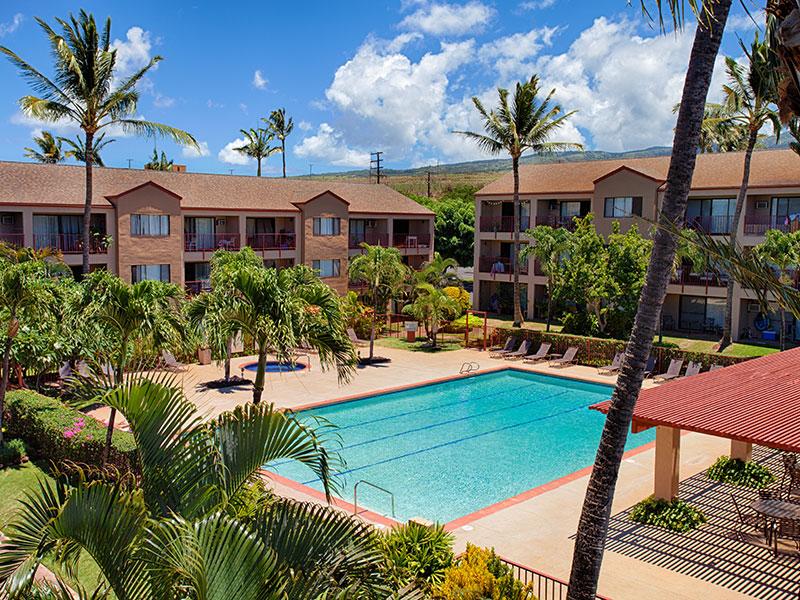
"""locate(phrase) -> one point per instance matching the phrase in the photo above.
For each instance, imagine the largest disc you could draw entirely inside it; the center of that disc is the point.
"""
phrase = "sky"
(359, 76)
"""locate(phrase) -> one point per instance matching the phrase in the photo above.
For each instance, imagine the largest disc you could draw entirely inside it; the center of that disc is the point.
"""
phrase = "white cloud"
(509, 55)
(329, 146)
(232, 157)
(259, 81)
(743, 22)
(305, 126)
(243, 107)
(537, 4)
(162, 101)
(192, 152)
(133, 53)
(12, 25)
(449, 19)
(212, 104)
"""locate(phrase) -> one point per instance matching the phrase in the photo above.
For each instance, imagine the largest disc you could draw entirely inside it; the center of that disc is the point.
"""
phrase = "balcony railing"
(711, 224)
(495, 224)
(545, 587)
(707, 280)
(195, 287)
(498, 265)
(373, 239)
(556, 221)
(412, 240)
(13, 239)
(209, 242)
(271, 241)
(68, 243)
(759, 224)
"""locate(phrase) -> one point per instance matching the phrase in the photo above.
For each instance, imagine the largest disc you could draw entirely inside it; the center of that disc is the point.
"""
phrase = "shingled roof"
(770, 169)
(32, 183)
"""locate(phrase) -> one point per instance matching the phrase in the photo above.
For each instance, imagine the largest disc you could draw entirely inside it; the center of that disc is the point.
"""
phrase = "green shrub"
(461, 296)
(738, 472)
(58, 433)
(479, 575)
(417, 554)
(12, 452)
(675, 515)
(252, 497)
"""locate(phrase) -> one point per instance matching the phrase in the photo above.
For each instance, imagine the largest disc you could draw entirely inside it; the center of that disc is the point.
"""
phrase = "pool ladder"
(468, 367)
(377, 487)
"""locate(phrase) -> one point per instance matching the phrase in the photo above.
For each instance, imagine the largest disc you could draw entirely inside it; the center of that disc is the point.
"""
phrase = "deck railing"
(759, 224)
(209, 242)
(271, 241)
(707, 280)
(545, 587)
(412, 240)
(498, 265)
(373, 239)
(498, 224)
(195, 287)
(68, 243)
(13, 239)
(556, 221)
(711, 224)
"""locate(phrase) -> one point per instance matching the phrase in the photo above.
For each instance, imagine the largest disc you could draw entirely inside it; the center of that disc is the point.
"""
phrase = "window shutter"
(637, 206)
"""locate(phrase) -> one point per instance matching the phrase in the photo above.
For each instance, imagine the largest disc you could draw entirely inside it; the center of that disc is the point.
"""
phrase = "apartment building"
(166, 225)
(631, 191)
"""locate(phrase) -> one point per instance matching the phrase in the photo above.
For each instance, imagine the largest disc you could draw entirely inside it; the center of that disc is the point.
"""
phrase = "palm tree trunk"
(549, 303)
(87, 206)
(593, 525)
(727, 328)
(4, 380)
(783, 329)
(258, 170)
(518, 320)
(283, 157)
(374, 318)
(258, 384)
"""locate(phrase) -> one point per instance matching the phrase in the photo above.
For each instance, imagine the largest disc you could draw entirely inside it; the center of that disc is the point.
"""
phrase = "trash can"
(769, 336)
(411, 331)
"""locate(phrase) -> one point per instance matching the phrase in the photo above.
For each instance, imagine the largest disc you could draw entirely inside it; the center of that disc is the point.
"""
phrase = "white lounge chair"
(568, 359)
(673, 371)
(692, 368)
(541, 354)
(521, 352)
(351, 333)
(613, 367)
(507, 348)
(170, 363)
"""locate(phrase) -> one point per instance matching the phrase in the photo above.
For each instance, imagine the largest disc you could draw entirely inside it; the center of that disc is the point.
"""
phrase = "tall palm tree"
(439, 271)
(158, 163)
(84, 90)
(382, 271)
(548, 247)
(257, 145)
(719, 135)
(750, 97)
(282, 309)
(527, 124)
(281, 127)
(78, 149)
(593, 525)
(49, 151)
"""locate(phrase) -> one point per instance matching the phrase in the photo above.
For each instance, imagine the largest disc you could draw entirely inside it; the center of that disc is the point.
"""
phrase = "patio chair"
(787, 529)
(790, 480)
(499, 351)
(613, 367)
(692, 368)
(521, 352)
(714, 367)
(566, 360)
(170, 363)
(673, 371)
(351, 333)
(541, 353)
(750, 522)
(65, 371)
(650, 367)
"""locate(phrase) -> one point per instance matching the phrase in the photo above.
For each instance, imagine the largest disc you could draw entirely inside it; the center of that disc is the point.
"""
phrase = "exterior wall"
(622, 184)
(326, 247)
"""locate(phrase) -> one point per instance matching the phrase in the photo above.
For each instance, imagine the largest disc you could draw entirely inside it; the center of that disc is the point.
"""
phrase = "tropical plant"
(674, 515)
(431, 306)
(382, 271)
(461, 296)
(527, 124)
(417, 554)
(78, 149)
(86, 91)
(49, 151)
(158, 163)
(479, 574)
(280, 127)
(256, 145)
(440, 272)
(547, 247)
(782, 250)
(282, 309)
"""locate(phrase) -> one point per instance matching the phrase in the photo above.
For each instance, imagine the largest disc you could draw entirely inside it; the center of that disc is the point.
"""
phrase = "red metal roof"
(755, 401)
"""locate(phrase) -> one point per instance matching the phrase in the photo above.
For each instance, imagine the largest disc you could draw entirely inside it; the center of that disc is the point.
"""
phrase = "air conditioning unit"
(753, 307)
(219, 222)
(762, 204)
(6, 220)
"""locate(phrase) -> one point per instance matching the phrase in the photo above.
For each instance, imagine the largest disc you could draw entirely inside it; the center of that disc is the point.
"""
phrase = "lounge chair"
(507, 348)
(351, 333)
(567, 359)
(170, 363)
(673, 371)
(65, 372)
(521, 352)
(714, 367)
(541, 353)
(651, 365)
(692, 368)
(613, 367)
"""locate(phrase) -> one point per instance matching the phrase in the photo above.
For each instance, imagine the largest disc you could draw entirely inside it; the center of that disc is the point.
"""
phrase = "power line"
(375, 161)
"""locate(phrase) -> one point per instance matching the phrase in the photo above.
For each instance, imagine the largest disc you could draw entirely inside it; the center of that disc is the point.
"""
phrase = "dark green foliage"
(675, 515)
(738, 472)
(252, 497)
(417, 554)
(454, 224)
(43, 423)
(12, 452)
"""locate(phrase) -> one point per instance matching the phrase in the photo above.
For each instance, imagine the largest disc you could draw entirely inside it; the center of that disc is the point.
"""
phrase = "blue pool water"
(448, 449)
(273, 366)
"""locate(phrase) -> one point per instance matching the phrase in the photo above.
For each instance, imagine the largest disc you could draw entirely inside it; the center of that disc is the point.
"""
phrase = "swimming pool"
(446, 450)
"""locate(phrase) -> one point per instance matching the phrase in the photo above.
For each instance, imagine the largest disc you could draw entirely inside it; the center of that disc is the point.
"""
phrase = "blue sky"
(358, 76)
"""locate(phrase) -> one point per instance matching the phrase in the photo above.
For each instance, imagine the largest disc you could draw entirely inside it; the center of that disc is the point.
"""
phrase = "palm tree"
(282, 309)
(548, 247)
(718, 135)
(750, 97)
(382, 271)
(432, 306)
(593, 525)
(526, 125)
(84, 90)
(157, 163)
(146, 310)
(439, 272)
(281, 127)
(257, 145)
(78, 149)
(177, 533)
(782, 250)
(49, 151)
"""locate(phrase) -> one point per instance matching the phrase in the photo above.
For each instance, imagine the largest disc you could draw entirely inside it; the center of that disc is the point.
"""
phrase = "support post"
(741, 450)
(668, 462)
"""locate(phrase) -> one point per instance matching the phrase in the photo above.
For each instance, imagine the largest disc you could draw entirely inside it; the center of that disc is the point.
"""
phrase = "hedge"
(55, 432)
(597, 352)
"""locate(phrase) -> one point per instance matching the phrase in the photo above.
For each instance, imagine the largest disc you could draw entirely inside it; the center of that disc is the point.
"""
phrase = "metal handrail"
(468, 367)
(377, 487)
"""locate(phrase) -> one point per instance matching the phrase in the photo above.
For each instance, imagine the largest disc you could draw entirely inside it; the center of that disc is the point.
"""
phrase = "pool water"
(448, 449)
(273, 366)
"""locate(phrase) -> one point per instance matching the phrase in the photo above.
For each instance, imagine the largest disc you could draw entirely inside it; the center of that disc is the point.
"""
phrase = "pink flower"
(89, 436)
(69, 433)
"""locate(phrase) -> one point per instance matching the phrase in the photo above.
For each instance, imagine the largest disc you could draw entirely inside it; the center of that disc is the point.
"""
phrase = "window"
(783, 207)
(569, 209)
(327, 225)
(149, 273)
(712, 215)
(149, 225)
(327, 267)
(624, 207)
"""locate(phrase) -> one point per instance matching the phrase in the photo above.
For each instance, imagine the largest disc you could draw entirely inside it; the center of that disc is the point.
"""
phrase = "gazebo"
(753, 402)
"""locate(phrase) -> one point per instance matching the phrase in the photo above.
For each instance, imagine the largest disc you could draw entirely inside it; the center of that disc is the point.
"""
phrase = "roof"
(753, 401)
(770, 168)
(33, 183)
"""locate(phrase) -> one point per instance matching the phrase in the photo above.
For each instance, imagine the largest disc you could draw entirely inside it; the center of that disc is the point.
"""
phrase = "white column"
(668, 462)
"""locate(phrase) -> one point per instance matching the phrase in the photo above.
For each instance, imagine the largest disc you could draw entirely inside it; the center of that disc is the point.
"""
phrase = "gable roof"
(112, 197)
(770, 168)
(32, 183)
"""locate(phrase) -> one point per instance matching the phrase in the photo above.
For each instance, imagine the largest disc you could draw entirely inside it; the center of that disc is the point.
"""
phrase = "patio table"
(775, 510)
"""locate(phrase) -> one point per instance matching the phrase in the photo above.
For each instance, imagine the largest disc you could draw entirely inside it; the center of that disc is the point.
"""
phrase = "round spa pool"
(274, 366)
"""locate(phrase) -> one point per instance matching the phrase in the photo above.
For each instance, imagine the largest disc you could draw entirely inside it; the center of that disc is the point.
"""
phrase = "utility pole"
(375, 160)
(429, 183)
(310, 168)
(130, 160)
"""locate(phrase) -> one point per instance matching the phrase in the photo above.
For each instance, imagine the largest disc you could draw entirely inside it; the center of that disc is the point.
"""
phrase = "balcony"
(373, 239)
(13, 239)
(68, 243)
(209, 242)
(496, 224)
(272, 241)
(412, 240)
(556, 221)
(759, 224)
(499, 265)
(195, 287)
(711, 224)
(707, 280)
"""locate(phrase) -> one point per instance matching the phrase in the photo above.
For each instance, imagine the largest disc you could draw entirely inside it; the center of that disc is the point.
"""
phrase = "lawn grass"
(421, 345)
